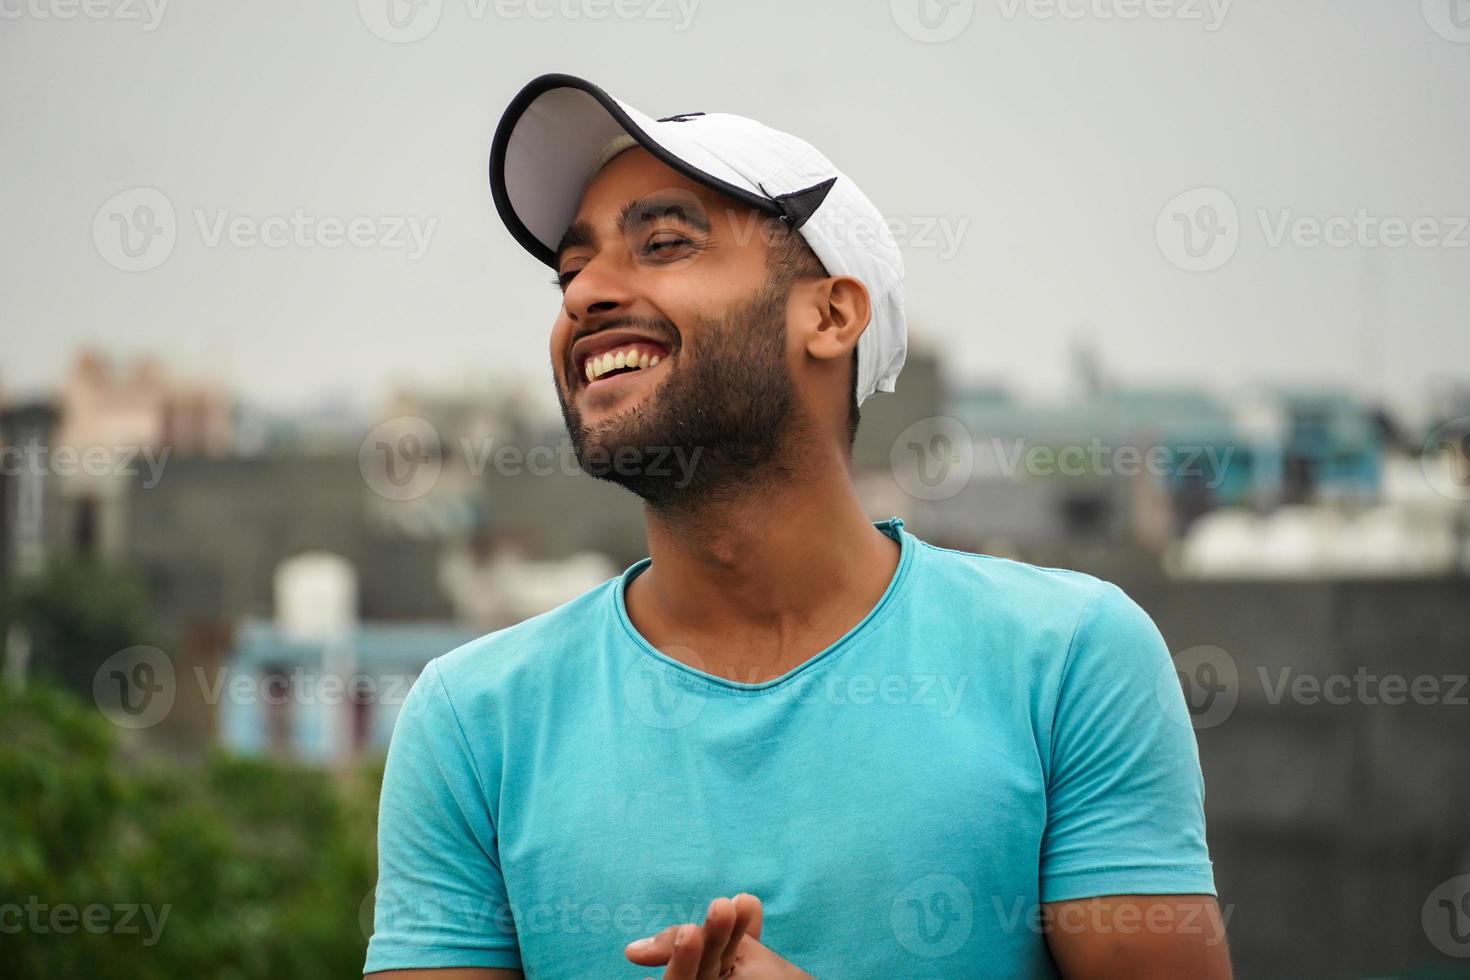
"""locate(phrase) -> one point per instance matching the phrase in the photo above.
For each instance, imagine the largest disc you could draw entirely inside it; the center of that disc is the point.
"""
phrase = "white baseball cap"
(560, 130)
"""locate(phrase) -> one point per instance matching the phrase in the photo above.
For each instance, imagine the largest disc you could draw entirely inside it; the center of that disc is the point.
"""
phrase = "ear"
(829, 315)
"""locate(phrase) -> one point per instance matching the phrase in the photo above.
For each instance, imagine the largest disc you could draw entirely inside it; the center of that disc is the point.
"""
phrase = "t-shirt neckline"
(893, 527)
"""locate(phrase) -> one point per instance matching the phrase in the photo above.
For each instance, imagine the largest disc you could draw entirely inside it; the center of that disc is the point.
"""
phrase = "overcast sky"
(1032, 163)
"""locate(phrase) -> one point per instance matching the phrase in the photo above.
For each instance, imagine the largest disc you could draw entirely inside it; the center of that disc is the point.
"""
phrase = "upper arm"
(1126, 881)
(440, 901)
(1138, 937)
(1124, 792)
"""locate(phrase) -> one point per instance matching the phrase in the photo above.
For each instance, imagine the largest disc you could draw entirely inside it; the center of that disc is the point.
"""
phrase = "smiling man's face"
(671, 340)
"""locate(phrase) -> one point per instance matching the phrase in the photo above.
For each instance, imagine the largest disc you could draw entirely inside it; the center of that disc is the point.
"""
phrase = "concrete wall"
(1330, 823)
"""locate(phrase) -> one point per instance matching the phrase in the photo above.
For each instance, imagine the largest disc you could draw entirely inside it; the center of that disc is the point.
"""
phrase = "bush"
(78, 613)
(229, 869)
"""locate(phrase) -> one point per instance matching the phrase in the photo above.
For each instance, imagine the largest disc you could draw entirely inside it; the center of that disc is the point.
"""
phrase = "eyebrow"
(635, 214)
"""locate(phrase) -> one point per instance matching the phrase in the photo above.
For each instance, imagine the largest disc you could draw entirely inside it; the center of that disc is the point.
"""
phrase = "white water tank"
(316, 596)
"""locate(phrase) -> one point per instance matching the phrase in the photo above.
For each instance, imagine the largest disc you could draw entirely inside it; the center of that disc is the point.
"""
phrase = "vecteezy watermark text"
(942, 234)
(407, 21)
(148, 12)
(935, 458)
(303, 687)
(1209, 13)
(136, 230)
(1363, 687)
(1200, 229)
(302, 230)
(1213, 685)
(1125, 917)
(402, 459)
(64, 919)
(34, 459)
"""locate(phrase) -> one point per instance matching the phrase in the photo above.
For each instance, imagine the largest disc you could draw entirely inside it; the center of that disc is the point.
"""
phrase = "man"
(792, 742)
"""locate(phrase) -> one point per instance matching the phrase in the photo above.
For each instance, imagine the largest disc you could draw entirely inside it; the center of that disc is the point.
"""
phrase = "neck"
(774, 566)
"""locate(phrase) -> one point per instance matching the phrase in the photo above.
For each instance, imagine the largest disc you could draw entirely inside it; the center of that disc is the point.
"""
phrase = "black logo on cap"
(681, 117)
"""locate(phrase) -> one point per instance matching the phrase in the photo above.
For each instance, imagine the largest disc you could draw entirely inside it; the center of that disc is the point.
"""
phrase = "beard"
(712, 430)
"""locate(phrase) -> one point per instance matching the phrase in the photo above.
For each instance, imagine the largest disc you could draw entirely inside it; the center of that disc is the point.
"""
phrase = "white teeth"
(599, 364)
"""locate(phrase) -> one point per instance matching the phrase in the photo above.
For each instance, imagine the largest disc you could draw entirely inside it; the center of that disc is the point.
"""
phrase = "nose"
(599, 287)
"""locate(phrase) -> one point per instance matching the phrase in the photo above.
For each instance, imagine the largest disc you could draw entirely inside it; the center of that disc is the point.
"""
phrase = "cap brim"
(548, 141)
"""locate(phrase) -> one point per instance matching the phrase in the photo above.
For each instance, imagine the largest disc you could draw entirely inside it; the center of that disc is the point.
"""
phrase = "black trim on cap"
(545, 83)
(798, 206)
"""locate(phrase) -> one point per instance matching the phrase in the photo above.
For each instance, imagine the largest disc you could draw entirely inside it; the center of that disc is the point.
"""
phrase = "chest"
(864, 817)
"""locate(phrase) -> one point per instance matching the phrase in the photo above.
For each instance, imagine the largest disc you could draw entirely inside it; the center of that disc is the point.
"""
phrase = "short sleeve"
(440, 898)
(1125, 795)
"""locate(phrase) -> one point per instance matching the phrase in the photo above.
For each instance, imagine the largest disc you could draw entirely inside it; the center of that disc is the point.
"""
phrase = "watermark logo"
(135, 230)
(1199, 230)
(406, 21)
(134, 688)
(1446, 917)
(401, 459)
(394, 903)
(657, 696)
(400, 21)
(399, 903)
(1210, 682)
(1450, 19)
(932, 21)
(1445, 459)
(933, 459)
(933, 916)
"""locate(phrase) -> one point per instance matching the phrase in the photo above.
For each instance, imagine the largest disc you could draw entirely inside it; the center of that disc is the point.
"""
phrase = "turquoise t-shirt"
(991, 736)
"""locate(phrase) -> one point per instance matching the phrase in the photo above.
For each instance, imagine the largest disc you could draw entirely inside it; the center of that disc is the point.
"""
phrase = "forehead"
(634, 174)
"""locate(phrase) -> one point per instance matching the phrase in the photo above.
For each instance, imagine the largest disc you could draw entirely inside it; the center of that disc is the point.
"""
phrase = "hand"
(726, 947)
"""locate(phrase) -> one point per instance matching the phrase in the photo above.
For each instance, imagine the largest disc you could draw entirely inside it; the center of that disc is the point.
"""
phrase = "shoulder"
(524, 654)
(1017, 589)
(1053, 616)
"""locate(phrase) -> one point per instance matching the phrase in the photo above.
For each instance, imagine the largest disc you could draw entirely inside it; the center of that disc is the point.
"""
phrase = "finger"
(745, 908)
(653, 950)
(688, 945)
(757, 913)
(719, 920)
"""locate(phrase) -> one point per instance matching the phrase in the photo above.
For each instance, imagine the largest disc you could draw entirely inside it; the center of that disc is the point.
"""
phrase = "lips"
(611, 354)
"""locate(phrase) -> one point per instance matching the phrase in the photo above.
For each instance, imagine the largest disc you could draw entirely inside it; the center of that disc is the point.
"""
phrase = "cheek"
(686, 300)
(561, 332)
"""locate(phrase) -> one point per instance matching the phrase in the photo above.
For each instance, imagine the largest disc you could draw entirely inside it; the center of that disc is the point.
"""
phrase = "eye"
(666, 244)
(564, 279)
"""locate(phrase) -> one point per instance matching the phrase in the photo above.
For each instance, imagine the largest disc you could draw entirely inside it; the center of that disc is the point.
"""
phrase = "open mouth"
(600, 367)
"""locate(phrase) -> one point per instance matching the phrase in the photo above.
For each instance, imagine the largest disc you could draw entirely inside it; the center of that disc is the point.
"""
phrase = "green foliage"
(248, 868)
(78, 614)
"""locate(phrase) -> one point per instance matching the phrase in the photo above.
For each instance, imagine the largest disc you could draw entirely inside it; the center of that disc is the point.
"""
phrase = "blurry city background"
(1189, 291)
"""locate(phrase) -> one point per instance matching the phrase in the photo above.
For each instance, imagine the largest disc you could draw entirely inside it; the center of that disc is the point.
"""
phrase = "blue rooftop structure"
(323, 700)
